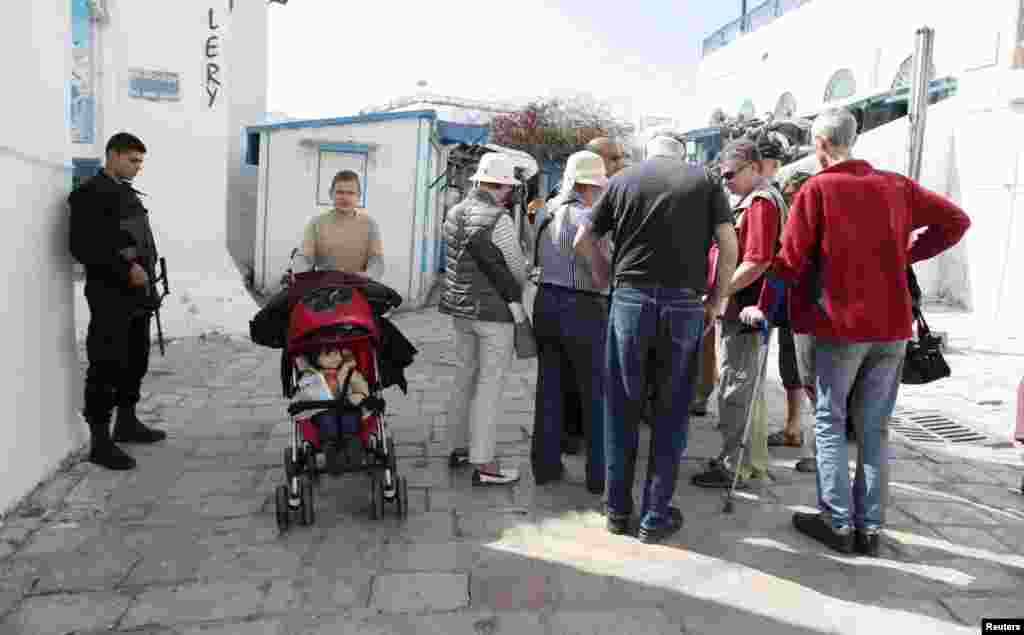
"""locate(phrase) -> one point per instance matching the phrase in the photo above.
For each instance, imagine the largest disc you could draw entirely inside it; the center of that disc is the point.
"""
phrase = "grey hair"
(838, 125)
(665, 146)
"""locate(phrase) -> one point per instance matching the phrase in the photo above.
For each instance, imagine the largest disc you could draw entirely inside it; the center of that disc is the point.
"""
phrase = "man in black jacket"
(111, 236)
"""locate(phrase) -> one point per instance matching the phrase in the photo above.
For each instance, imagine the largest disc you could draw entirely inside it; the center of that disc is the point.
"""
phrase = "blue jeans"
(653, 335)
(868, 375)
(570, 330)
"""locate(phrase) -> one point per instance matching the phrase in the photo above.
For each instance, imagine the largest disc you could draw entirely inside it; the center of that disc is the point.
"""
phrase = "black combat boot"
(102, 450)
(128, 428)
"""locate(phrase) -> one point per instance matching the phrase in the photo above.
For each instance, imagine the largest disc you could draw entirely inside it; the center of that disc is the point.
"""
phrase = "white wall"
(886, 148)
(990, 153)
(192, 148)
(423, 266)
(40, 379)
(800, 51)
(973, 145)
(247, 98)
(290, 200)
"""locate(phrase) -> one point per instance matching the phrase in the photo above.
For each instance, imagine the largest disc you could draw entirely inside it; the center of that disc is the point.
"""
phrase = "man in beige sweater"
(344, 238)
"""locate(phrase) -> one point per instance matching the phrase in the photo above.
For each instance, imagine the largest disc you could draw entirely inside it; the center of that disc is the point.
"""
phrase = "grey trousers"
(740, 369)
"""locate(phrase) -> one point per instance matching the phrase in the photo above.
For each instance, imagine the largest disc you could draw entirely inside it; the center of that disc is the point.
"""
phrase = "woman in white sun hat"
(570, 317)
(483, 288)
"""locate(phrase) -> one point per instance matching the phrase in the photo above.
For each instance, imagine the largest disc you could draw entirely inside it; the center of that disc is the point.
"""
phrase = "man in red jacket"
(844, 246)
(758, 215)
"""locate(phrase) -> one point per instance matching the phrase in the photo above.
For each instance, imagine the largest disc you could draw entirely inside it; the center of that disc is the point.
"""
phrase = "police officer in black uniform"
(111, 236)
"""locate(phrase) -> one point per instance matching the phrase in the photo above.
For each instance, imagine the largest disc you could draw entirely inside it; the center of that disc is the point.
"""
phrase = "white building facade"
(813, 53)
(41, 379)
(186, 77)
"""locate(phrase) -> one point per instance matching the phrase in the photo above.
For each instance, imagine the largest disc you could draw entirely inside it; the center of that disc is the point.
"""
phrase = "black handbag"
(525, 343)
(924, 362)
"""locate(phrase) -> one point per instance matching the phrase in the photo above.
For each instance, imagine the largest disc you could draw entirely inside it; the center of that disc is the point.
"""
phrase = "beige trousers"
(483, 351)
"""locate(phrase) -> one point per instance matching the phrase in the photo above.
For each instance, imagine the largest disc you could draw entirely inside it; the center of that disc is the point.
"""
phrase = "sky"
(331, 58)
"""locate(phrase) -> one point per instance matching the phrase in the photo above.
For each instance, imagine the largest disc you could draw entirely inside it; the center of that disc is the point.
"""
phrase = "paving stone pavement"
(187, 544)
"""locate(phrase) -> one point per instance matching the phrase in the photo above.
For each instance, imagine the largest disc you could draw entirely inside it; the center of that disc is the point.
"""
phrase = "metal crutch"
(765, 332)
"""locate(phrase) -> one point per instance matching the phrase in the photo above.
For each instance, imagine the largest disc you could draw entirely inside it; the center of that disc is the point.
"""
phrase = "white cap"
(494, 167)
(585, 167)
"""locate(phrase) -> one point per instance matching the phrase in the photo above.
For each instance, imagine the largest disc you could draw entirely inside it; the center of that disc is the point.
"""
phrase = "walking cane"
(765, 331)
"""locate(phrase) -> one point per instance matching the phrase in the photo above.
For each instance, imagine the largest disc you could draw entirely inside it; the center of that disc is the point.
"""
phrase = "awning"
(452, 133)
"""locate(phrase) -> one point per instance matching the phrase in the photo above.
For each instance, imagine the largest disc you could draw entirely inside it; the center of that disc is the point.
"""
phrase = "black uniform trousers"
(117, 345)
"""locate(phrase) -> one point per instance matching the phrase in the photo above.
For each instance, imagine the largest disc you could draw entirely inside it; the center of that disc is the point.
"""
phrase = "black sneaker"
(541, 477)
(619, 524)
(699, 410)
(866, 542)
(815, 526)
(572, 445)
(717, 477)
(333, 460)
(459, 457)
(651, 535)
(353, 454)
(807, 465)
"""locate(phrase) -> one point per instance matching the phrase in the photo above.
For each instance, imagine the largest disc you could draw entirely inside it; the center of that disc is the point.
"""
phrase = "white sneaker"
(504, 476)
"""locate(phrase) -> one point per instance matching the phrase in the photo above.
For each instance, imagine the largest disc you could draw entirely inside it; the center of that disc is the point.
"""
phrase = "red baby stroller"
(328, 309)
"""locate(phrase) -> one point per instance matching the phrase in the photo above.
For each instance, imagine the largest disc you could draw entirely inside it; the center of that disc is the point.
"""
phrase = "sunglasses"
(731, 174)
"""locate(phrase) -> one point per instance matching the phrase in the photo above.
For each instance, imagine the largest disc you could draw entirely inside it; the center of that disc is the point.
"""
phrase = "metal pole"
(743, 16)
(925, 39)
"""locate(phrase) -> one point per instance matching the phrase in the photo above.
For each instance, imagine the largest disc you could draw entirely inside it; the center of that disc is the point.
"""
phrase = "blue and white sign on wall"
(154, 85)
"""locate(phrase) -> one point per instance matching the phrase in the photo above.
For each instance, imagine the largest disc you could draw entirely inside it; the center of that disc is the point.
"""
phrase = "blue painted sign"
(154, 85)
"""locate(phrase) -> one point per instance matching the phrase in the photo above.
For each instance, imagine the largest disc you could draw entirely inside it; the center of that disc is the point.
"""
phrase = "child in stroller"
(331, 372)
(341, 435)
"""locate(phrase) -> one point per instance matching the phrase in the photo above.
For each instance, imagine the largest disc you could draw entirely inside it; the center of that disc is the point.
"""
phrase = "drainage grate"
(931, 426)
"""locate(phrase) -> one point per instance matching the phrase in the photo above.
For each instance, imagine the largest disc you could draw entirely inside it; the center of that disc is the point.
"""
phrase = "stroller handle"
(372, 403)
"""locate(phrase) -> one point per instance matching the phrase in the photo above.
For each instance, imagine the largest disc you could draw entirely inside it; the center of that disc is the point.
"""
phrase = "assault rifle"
(159, 301)
(155, 298)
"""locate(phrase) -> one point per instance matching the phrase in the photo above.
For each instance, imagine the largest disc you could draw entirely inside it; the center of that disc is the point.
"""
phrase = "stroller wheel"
(306, 492)
(403, 497)
(376, 497)
(281, 507)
